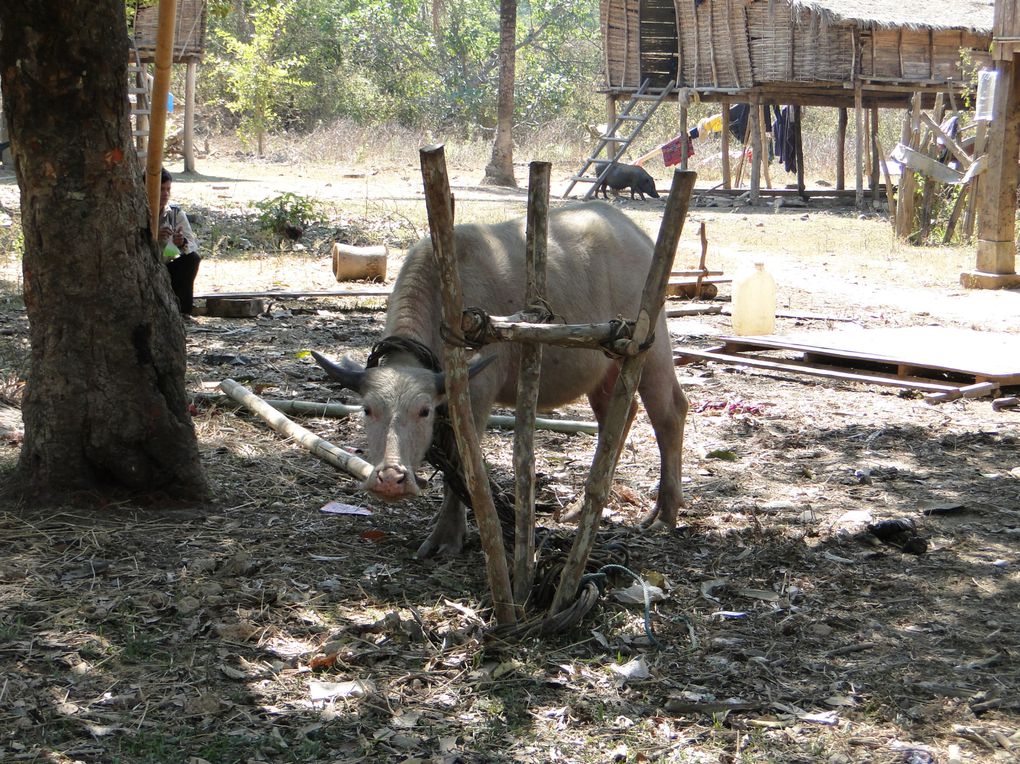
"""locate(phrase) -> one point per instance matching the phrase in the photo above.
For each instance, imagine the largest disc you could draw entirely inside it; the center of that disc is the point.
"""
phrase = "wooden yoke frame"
(525, 327)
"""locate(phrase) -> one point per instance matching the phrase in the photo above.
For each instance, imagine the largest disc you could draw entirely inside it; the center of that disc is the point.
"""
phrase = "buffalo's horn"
(473, 368)
(347, 373)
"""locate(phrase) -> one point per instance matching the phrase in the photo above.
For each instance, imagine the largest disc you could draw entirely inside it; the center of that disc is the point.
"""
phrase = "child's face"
(164, 194)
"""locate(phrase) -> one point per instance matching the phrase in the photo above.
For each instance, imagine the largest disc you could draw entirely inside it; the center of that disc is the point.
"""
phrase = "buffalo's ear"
(473, 368)
(348, 372)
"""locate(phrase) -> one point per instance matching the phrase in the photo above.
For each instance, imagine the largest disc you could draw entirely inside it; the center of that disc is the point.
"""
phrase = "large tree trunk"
(105, 409)
(500, 170)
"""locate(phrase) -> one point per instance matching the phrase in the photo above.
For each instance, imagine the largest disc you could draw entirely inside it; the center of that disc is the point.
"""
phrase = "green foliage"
(256, 79)
(285, 211)
(431, 65)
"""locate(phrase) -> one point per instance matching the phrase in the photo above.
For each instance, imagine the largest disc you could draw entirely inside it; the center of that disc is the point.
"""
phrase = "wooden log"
(359, 263)
(528, 379)
(1005, 403)
(600, 478)
(440, 214)
(977, 390)
(230, 307)
(276, 294)
(323, 449)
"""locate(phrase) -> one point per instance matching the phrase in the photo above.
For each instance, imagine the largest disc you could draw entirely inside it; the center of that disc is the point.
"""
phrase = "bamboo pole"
(888, 181)
(859, 146)
(343, 410)
(323, 449)
(763, 110)
(440, 215)
(617, 418)
(528, 378)
(167, 20)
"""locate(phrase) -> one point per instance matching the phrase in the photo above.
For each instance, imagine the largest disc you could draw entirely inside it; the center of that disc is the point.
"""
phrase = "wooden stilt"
(753, 125)
(859, 153)
(841, 149)
(726, 179)
(798, 143)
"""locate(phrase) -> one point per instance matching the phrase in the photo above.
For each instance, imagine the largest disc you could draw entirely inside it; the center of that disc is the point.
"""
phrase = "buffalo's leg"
(448, 531)
(667, 406)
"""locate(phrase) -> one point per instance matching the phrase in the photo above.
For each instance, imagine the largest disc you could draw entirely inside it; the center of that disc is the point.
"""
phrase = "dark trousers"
(183, 270)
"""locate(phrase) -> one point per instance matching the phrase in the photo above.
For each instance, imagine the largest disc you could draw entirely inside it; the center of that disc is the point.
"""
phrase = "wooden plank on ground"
(687, 355)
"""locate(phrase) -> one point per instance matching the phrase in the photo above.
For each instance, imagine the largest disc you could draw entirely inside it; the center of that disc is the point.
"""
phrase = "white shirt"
(174, 217)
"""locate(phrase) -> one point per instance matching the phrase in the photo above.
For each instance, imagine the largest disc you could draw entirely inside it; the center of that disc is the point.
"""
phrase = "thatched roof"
(972, 15)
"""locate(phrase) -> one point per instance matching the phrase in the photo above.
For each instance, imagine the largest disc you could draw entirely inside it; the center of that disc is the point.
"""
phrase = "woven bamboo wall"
(621, 45)
(189, 32)
(736, 44)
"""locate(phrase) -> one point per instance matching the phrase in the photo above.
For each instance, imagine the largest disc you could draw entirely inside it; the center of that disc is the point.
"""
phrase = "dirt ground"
(261, 629)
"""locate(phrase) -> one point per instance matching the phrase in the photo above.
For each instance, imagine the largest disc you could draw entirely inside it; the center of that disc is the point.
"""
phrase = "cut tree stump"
(359, 263)
(229, 307)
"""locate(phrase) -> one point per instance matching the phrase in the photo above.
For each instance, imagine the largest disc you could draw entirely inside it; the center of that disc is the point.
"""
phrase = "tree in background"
(430, 65)
(104, 407)
(500, 170)
(257, 79)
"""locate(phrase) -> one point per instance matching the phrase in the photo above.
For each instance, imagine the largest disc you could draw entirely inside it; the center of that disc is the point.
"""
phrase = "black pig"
(622, 176)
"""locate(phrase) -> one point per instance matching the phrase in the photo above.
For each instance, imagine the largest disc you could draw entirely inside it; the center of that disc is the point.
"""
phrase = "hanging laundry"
(785, 136)
(673, 151)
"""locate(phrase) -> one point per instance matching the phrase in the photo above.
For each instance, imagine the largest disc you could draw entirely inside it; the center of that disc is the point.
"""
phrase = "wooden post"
(617, 418)
(841, 149)
(440, 214)
(762, 125)
(980, 137)
(859, 123)
(167, 20)
(996, 223)
(876, 172)
(726, 179)
(527, 386)
(682, 118)
(753, 119)
(798, 144)
(189, 117)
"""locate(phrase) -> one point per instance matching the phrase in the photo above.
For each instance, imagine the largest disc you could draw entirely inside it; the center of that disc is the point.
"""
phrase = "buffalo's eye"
(368, 411)
(424, 411)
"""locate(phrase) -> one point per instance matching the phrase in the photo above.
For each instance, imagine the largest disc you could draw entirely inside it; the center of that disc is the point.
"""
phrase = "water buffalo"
(598, 260)
(622, 176)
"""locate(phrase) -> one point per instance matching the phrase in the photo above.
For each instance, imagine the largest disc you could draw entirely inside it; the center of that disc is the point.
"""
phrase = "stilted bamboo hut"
(189, 46)
(864, 55)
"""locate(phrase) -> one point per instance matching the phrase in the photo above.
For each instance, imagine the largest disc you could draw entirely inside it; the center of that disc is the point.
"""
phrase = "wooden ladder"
(139, 98)
(617, 140)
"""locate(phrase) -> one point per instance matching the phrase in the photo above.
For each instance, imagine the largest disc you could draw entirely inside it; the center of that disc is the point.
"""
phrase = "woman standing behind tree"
(179, 245)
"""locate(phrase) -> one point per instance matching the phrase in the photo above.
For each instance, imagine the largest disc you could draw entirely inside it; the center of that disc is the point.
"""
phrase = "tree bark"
(500, 170)
(105, 409)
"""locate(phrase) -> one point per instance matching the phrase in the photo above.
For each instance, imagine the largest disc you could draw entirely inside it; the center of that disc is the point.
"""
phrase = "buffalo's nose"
(391, 481)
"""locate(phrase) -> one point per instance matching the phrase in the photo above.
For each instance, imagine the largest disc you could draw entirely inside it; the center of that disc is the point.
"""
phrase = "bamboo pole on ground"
(323, 449)
(167, 20)
(528, 378)
(617, 418)
(440, 215)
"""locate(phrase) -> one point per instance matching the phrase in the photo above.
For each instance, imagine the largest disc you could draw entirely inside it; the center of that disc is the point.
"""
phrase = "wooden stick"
(440, 214)
(281, 295)
(610, 442)
(323, 449)
(890, 200)
(528, 378)
(977, 390)
(1005, 403)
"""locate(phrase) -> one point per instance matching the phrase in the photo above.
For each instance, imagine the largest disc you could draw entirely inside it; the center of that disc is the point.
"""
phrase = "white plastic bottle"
(754, 302)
